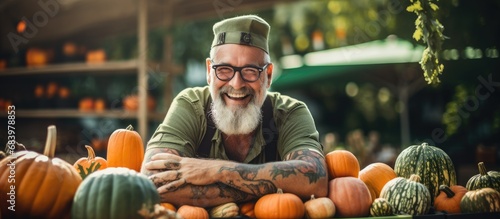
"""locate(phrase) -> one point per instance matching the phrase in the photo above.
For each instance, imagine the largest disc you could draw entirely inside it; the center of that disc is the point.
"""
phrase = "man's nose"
(237, 81)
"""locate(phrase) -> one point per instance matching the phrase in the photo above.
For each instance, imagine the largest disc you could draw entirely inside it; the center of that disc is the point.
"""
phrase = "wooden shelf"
(74, 113)
(110, 67)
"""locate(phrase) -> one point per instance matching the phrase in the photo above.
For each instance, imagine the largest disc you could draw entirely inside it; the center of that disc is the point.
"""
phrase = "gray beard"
(236, 120)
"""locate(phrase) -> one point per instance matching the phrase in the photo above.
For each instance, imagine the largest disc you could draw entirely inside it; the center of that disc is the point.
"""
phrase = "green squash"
(480, 200)
(432, 164)
(115, 192)
(381, 207)
(490, 179)
(407, 196)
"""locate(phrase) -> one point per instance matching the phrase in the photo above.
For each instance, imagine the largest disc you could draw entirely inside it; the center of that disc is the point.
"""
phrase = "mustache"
(229, 89)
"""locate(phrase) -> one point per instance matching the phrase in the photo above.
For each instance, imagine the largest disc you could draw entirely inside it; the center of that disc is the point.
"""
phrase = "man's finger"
(162, 165)
(164, 178)
(172, 186)
(165, 156)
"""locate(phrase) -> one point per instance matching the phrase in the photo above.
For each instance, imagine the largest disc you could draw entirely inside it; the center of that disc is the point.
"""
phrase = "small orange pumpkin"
(247, 209)
(279, 205)
(319, 207)
(342, 163)
(189, 211)
(375, 176)
(90, 164)
(449, 198)
(125, 149)
(168, 206)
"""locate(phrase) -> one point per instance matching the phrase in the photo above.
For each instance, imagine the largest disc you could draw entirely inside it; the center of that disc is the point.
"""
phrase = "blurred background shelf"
(109, 67)
(74, 113)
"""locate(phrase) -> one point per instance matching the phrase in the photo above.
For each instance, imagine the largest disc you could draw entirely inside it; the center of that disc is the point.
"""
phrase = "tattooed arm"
(182, 180)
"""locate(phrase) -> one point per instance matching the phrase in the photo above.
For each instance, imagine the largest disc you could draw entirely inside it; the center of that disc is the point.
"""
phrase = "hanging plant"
(430, 31)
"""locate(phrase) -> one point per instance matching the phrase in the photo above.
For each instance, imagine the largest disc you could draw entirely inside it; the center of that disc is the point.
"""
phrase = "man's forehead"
(238, 53)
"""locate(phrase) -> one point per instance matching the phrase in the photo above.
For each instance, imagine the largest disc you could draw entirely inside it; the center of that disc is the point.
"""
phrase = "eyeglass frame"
(238, 69)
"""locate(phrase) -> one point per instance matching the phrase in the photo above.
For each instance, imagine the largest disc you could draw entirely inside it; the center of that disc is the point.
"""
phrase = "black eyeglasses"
(225, 72)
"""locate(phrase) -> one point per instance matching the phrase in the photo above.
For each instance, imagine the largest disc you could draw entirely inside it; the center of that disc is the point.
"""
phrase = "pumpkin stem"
(312, 197)
(482, 169)
(91, 153)
(50, 142)
(280, 191)
(424, 144)
(447, 191)
(415, 178)
(130, 128)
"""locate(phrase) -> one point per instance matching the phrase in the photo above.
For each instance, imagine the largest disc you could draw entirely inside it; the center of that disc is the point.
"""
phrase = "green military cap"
(246, 30)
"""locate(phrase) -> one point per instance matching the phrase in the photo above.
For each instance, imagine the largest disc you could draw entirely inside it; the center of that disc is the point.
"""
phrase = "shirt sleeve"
(183, 126)
(297, 130)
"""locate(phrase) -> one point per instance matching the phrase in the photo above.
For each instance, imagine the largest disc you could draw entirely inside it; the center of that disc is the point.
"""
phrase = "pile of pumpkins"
(423, 178)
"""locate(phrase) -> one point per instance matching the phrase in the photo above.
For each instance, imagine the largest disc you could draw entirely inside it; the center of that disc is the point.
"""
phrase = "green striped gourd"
(480, 200)
(432, 164)
(407, 196)
(115, 192)
(381, 207)
(490, 179)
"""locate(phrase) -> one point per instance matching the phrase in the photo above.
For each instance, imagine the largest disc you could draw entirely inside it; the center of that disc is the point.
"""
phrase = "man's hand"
(172, 171)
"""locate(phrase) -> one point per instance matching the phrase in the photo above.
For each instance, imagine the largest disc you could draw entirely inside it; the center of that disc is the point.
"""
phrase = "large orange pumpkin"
(375, 176)
(90, 164)
(350, 196)
(40, 186)
(342, 163)
(279, 205)
(449, 198)
(125, 149)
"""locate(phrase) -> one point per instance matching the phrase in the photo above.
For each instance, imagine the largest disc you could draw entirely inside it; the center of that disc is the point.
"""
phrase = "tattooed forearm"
(261, 188)
(246, 172)
(283, 170)
(229, 192)
(200, 192)
(313, 168)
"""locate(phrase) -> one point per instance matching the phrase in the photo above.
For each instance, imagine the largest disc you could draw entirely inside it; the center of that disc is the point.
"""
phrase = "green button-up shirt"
(185, 124)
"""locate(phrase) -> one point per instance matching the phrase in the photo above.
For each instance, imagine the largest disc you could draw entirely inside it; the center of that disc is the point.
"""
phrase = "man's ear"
(269, 74)
(209, 68)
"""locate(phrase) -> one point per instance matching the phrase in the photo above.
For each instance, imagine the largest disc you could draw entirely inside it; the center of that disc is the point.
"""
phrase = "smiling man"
(233, 141)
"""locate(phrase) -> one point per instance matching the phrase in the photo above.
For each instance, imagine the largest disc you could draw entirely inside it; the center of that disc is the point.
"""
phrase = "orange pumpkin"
(342, 163)
(86, 104)
(131, 103)
(279, 205)
(350, 196)
(90, 164)
(44, 185)
(189, 211)
(125, 149)
(247, 209)
(375, 176)
(99, 144)
(168, 206)
(99, 104)
(96, 56)
(319, 208)
(36, 57)
(449, 198)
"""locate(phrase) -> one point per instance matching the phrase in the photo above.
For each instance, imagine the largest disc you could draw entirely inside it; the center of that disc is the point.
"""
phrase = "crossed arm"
(202, 182)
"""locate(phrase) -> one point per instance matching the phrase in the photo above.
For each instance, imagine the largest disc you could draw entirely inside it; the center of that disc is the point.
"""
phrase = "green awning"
(337, 64)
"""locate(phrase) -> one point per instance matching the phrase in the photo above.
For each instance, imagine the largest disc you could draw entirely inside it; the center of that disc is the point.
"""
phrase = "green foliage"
(430, 31)
(452, 110)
